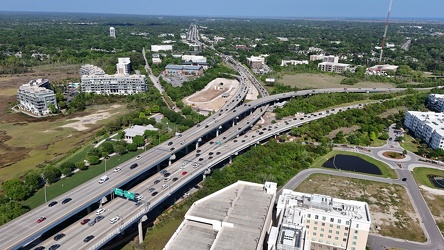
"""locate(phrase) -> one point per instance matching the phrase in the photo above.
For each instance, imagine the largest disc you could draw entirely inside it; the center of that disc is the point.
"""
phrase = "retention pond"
(352, 163)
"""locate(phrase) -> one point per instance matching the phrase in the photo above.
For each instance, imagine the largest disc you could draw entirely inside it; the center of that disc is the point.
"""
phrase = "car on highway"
(42, 218)
(166, 174)
(92, 222)
(66, 200)
(100, 211)
(170, 143)
(134, 165)
(166, 179)
(54, 247)
(165, 186)
(404, 179)
(139, 197)
(114, 220)
(154, 193)
(117, 169)
(137, 204)
(151, 190)
(58, 237)
(39, 248)
(99, 218)
(84, 221)
(163, 171)
(184, 172)
(156, 182)
(88, 238)
(175, 179)
(138, 157)
(53, 203)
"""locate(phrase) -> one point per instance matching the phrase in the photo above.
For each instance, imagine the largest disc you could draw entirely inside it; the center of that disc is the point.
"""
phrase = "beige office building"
(319, 222)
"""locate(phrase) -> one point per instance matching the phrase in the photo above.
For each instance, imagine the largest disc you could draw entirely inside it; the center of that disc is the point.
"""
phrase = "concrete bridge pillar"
(144, 218)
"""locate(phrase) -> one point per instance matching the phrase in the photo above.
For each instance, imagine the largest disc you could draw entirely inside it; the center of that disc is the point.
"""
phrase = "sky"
(424, 9)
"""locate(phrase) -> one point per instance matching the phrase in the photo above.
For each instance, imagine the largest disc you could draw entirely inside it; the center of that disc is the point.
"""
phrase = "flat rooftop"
(232, 217)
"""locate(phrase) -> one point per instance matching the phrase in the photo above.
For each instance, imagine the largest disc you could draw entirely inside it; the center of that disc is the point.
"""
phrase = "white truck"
(103, 179)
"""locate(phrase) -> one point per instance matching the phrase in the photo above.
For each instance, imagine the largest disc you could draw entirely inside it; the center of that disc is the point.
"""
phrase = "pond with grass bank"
(437, 181)
(351, 163)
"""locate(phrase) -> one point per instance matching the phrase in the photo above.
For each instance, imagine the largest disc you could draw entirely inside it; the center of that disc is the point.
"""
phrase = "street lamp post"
(105, 164)
(44, 186)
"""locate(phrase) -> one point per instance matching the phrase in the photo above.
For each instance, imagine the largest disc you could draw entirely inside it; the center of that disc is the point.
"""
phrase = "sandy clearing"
(81, 123)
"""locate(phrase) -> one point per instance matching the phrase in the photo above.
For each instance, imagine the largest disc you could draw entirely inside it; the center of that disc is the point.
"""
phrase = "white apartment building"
(89, 69)
(35, 97)
(436, 102)
(324, 58)
(113, 84)
(293, 62)
(333, 67)
(123, 66)
(164, 47)
(256, 62)
(193, 58)
(428, 126)
(315, 222)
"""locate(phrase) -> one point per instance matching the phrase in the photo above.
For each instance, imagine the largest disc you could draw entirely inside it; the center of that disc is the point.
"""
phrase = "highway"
(25, 229)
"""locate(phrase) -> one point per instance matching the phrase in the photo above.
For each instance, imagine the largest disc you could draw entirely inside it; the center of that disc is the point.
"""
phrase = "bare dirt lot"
(210, 98)
(392, 214)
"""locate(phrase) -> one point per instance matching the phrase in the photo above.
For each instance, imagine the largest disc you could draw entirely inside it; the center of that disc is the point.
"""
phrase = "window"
(336, 238)
(323, 224)
(344, 239)
(329, 236)
(355, 237)
(337, 232)
(316, 222)
(307, 226)
(309, 215)
(339, 221)
(330, 231)
(338, 227)
(346, 228)
(332, 220)
(354, 243)
(357, 225)
(322, 229)
(314, 233)
(315, 228)
(322, 235)
(316, 217)
(331, 225)
(353, 248)
(356, 231)
(345, 234)
(347, 222)
(308, 221)
(324, 218)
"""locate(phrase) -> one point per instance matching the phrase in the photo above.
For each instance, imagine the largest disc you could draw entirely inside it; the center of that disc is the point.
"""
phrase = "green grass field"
(386, 170)
(420, 174)
(47, 141)
(75, 180)
(319, 81)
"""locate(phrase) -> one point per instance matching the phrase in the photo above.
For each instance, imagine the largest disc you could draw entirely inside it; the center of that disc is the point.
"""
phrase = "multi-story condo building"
(333, 67)
(123, 66)
(314, 222)
(193, 58)
(293, 62)
(436, 102)
(36, 97)
(113, 84)
(112, 32)
(156, 48)
(324, 58)
(89, 69)
(428, 126)
(256, 62)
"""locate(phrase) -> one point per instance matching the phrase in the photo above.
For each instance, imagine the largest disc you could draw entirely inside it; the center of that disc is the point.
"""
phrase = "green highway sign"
(118, 192)
(128, 194)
